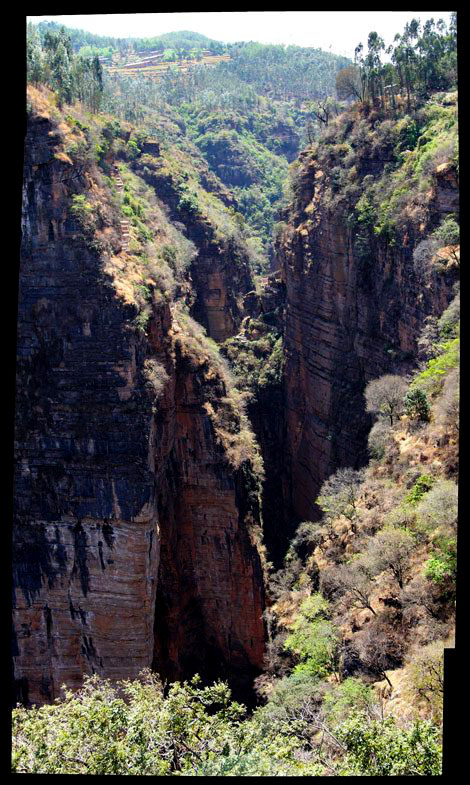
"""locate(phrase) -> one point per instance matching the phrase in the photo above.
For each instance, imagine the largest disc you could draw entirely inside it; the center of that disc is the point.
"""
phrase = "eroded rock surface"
(130, 538)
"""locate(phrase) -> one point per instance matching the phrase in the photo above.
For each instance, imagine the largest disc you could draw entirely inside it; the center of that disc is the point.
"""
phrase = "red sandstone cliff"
(130, 540)
(347, 322)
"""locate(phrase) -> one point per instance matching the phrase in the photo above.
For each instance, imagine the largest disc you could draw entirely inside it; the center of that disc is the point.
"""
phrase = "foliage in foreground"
(135, 727)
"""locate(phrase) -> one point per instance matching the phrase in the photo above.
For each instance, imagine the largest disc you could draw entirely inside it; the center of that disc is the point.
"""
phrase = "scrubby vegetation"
(364, 603)
(137, 727)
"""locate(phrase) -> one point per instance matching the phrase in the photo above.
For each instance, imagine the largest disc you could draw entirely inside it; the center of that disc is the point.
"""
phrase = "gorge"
(181, 404)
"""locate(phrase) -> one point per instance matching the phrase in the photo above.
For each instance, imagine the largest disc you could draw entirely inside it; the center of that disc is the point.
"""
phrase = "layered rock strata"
(348, 320)
(130, 545)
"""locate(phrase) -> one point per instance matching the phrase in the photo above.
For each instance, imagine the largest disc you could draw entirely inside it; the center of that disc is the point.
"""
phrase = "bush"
(381, 748)
(379, 435)
(427, 675)
(438, 509)
(447, 405)
(448, 322)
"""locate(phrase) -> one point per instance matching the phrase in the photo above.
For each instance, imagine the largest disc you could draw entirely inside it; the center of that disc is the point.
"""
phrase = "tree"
(390, 549)
(323, 109)
(375, 45)
(339, 493)
(384, 396)
(354, 580)
(417, 405)
(380, 647)
(349, 84)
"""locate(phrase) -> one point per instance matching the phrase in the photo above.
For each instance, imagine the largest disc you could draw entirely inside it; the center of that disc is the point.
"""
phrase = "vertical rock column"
(85, 538)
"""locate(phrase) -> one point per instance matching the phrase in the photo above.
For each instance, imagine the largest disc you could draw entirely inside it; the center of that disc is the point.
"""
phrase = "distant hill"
(184, 39)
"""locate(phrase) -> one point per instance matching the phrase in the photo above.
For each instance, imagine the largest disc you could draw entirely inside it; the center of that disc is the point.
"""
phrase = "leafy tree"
(34, 56)
(314, 639)
(59, 62)
(417, 404)
(382, 748)
(384, 396)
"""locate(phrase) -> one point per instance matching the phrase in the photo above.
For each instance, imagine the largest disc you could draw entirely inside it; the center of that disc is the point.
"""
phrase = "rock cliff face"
(130, 538)
(347, 321)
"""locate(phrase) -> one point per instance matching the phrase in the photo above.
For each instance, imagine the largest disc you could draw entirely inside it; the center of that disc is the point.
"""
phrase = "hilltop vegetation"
(248, 117)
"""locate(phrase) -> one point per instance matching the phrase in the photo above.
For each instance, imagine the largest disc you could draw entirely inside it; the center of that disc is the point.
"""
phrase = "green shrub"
(417, 404)
(314, 639)
(422, 485)
(137, 728)
(344, 699)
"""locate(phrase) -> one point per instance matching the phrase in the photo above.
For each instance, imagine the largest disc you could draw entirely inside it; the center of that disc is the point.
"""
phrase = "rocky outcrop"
(349, 319)
(130, 536)
(220, 273)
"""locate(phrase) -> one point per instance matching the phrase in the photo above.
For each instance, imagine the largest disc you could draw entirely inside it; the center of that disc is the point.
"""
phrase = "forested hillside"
(237, 415)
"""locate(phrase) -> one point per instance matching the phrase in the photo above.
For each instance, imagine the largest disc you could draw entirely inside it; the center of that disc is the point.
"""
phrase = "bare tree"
(384, 396)
(355, 582)
(339, 493)
(390, 549)
(380, 647)
(349, 83)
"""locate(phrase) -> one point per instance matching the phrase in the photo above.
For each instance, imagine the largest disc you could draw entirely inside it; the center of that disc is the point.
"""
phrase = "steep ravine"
(133, 536)
(130, 540)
